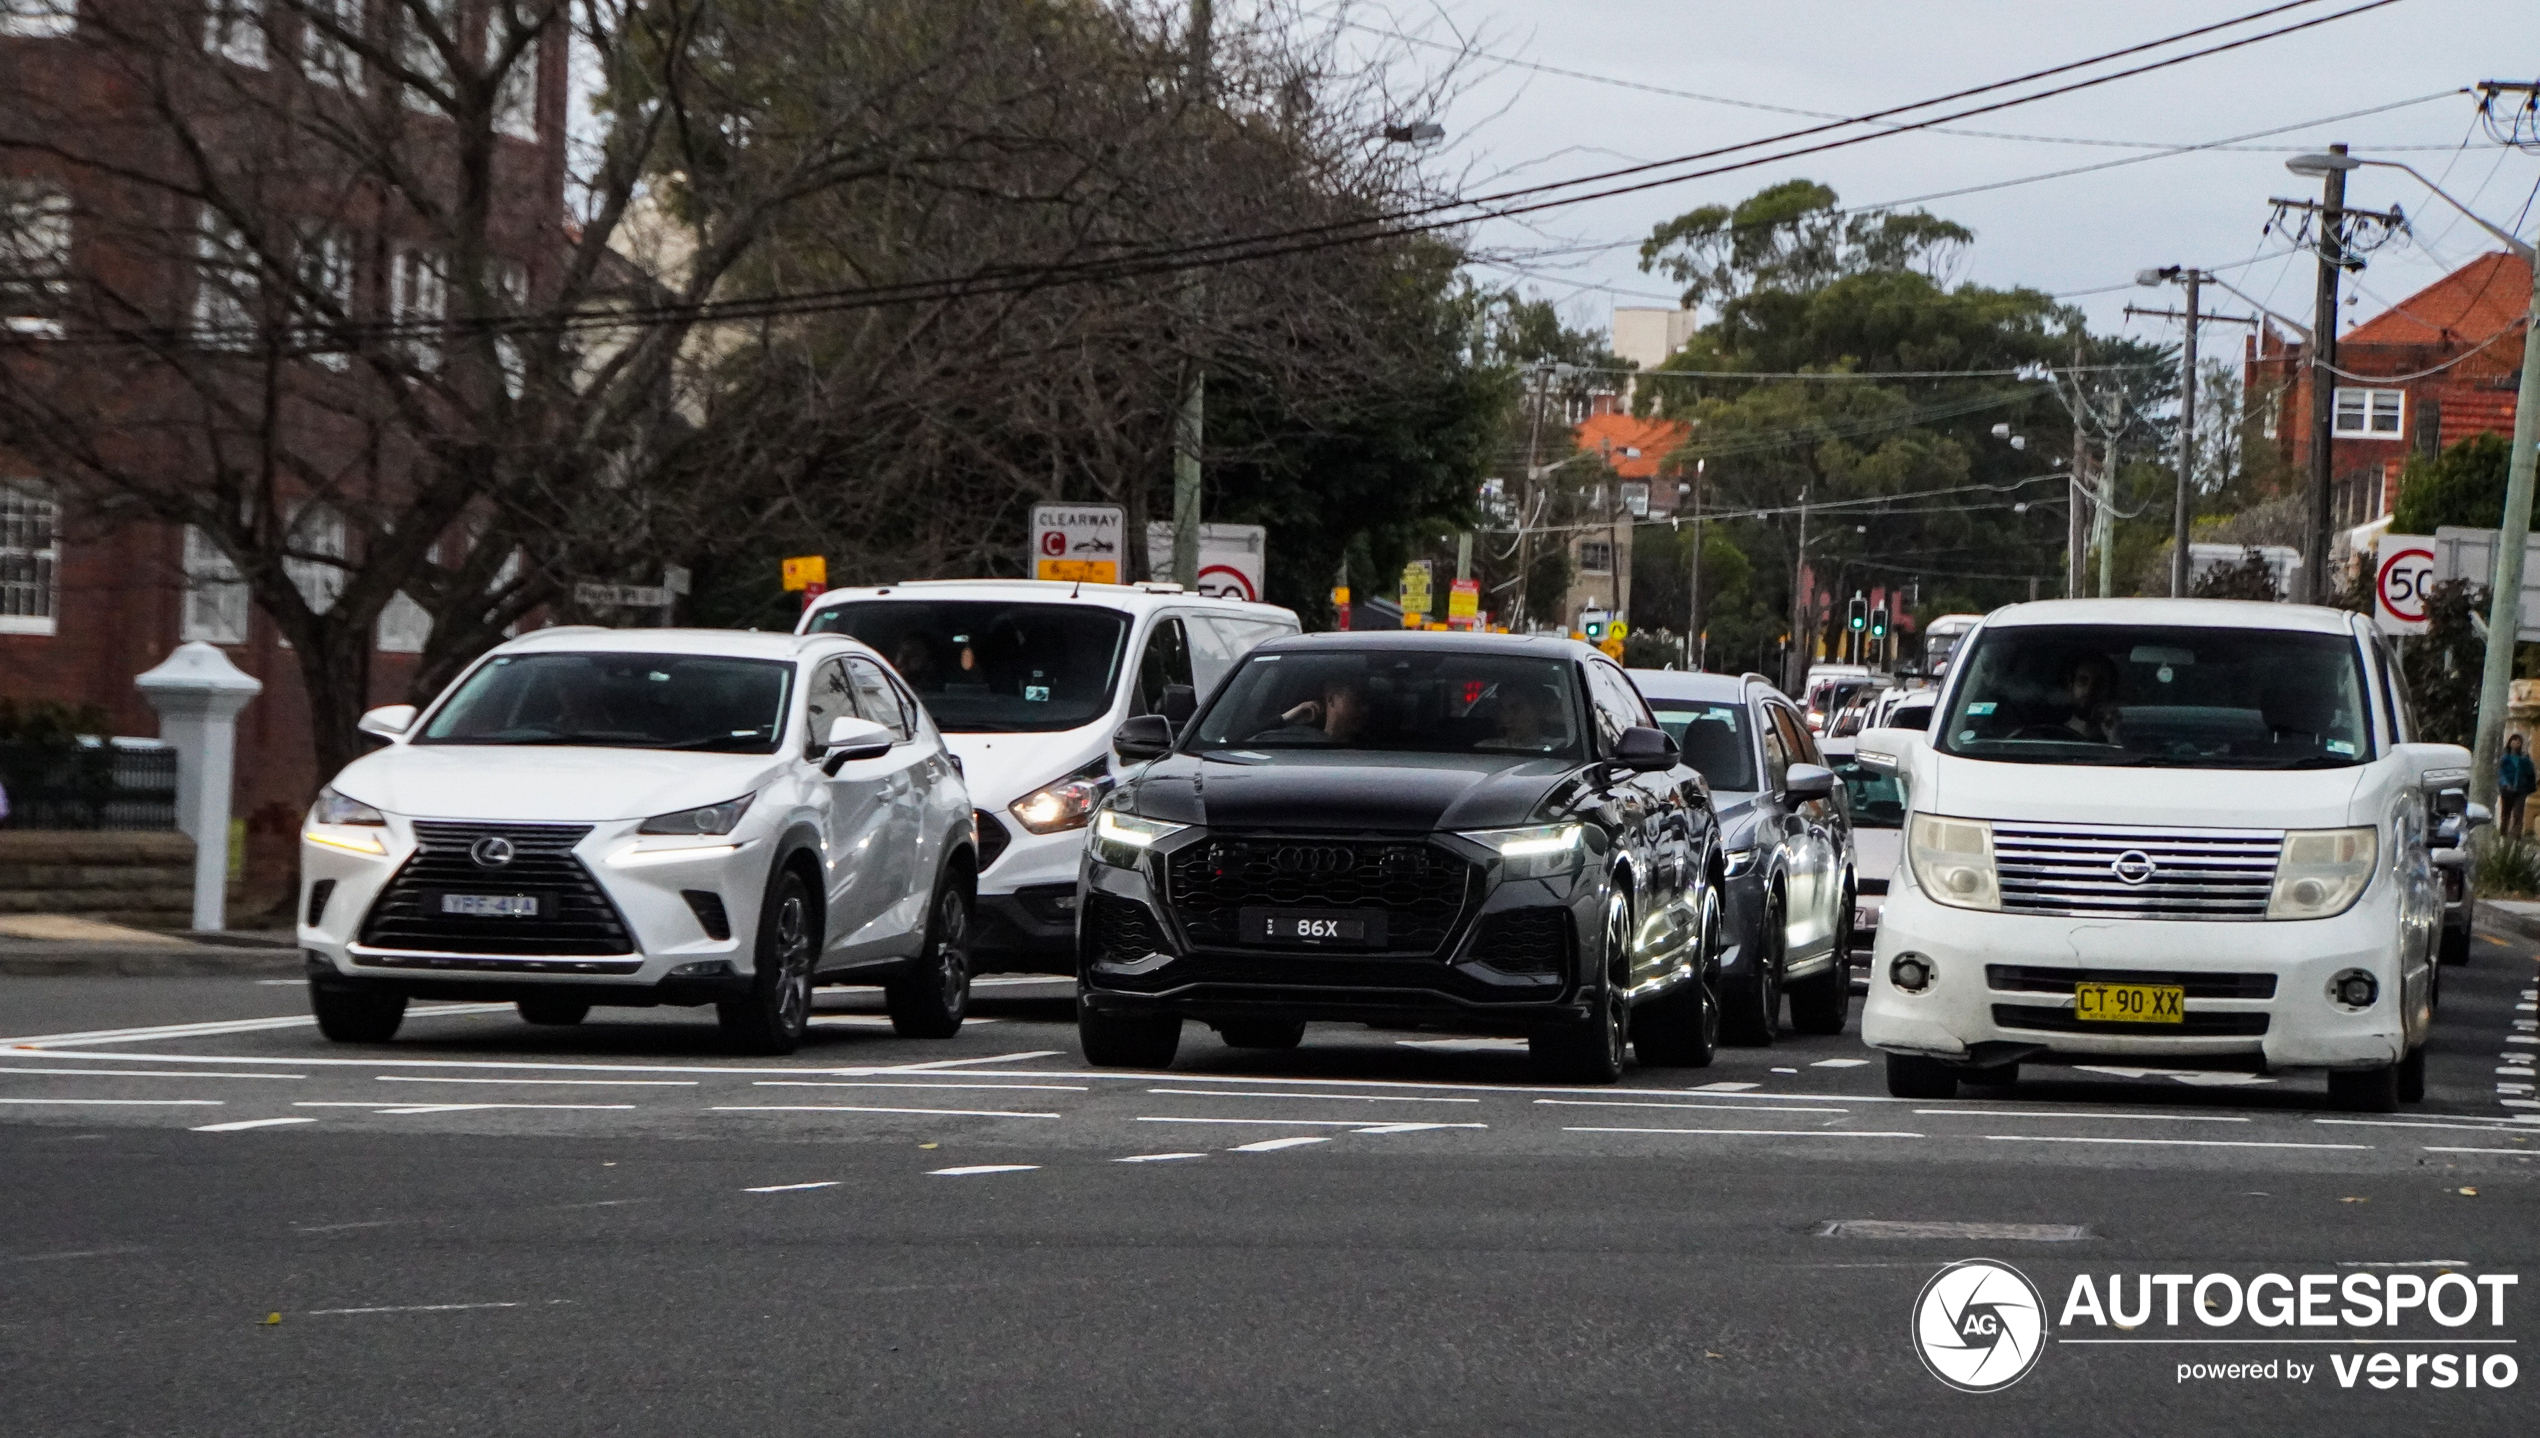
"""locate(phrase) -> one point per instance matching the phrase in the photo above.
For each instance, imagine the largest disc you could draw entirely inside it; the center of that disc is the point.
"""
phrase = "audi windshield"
(985, 667)
(1436, 701)
(2186, 698)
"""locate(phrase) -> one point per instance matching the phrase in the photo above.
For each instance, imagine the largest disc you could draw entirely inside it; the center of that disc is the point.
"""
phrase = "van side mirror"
(1177, 704)
(387, 721)
(1809, 781)
(851, 739)
(1149, 736)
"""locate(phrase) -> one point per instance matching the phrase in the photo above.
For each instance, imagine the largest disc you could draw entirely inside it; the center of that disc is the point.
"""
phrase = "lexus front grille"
(575, 916)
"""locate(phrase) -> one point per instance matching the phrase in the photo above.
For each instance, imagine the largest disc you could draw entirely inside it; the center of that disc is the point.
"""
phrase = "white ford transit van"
(2168, 833)
(1027, 679)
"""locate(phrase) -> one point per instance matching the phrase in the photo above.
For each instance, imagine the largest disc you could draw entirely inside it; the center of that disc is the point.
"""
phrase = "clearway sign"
(1079, 542)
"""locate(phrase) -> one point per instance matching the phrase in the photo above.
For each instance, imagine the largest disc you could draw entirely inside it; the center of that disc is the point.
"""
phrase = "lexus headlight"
(1121, 840)
(1953, 861)
(1545, 851)
(2323, 872)
(711, 819)
(1066, 804)
(341, 823)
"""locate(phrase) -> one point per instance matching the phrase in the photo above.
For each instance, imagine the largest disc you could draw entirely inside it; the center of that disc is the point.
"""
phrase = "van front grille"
(2109, 872)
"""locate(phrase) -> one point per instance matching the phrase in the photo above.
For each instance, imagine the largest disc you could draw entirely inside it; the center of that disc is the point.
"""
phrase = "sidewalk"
(2519, 917)
(56, 944)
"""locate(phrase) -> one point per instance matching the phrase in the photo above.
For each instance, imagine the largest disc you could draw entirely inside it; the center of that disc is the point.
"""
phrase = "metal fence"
(102, 786)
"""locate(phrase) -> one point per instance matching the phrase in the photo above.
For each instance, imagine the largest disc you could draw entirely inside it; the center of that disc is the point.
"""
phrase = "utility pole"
(2194, 281)
(1693, 586)
(1189, 420)
(2107, 521)
(1796, 665)
(2076, 553)
(2332, 257)
(1526, 498)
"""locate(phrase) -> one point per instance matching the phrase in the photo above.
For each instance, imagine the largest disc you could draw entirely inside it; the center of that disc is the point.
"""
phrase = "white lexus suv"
(641, 817)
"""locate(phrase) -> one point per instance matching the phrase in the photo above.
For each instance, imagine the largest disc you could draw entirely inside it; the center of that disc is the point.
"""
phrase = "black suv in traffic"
(1487, 832)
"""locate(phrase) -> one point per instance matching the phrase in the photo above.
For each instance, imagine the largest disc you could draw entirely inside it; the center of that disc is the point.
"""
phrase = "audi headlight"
(342, 823)
(1067, 804)
(1121, 840)
(711, 819)
(1741, 860)
(1953, 861)
(2322, 872)
(1544, 851)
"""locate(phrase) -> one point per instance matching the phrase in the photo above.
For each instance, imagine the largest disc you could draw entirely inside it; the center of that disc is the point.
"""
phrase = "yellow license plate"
(2130, 1003)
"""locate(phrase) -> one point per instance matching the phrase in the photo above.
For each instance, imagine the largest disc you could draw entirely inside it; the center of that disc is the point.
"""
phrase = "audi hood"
(1344, 791)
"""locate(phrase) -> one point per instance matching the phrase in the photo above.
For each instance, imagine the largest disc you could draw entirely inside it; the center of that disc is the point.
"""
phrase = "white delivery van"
(2163, 832)
(1027, 679)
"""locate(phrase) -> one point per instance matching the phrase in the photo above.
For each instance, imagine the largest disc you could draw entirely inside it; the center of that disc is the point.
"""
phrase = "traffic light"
(1857, 614)
(1878, 622)
(1592, 624)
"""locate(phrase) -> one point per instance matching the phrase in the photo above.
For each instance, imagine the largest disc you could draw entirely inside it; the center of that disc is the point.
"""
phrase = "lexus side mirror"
(1177, 704)
(851, 739)
(1809, 781)
(1149, 736)
(1644, 750)
(387, 721)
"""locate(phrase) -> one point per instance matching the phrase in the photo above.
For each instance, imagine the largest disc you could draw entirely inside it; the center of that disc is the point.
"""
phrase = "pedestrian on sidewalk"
(2514, 783)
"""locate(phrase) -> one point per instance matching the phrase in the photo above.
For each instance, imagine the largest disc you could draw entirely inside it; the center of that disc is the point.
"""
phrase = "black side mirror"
(2451, 801)
(1149, 736)
(1177, 704)
(1809, 781)
(1645, 750)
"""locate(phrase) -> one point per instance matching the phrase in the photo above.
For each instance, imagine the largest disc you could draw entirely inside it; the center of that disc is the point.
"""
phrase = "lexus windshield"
(2181, 698)
(1434, 701)
(986, 667)
(619, 701)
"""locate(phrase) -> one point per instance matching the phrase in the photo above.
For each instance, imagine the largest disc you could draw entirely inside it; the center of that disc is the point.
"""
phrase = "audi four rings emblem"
(491, 852)
(2134, 866)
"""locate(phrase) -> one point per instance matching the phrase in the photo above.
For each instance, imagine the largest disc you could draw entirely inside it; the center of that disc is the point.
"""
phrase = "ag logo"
(1979, 1325)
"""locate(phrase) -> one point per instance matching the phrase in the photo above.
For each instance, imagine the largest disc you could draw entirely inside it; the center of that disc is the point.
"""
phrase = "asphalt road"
(489, 1227)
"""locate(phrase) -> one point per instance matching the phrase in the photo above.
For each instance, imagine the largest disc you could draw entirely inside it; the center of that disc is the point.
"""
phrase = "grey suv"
(1788, 839)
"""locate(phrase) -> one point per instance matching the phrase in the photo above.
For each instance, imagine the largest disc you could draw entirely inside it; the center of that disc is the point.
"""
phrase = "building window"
(404, 626)
(329, 30)
(418, 296)
(30, 557)
(215, 594)
(2370, 413)
(427, 33)
(35, 257)
(325, 275)
(516, 98)
(1596, 556)
(225, 285)
(38, 19)
(316, 537)
(1635, 497)
(235, 31)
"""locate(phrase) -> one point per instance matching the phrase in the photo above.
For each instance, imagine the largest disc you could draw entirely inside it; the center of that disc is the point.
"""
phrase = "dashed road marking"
(376, 1106)
(1264, 1122)
(123, 1102)
(1710, 1107)
(2165, 1142)
(2511, 1152)
(1414, 1127)
(1840, 1064)
(1156, 1157)
(1273, 1145)
(1359, 1097)
(582, 1083)
(1725, 1087)
(147, 1073)
(869, 1083)
(2078, 1113)
(970, 1169)
(796, 1187)
(1973, 1232)
(1761, 1132)
(244, 1124)
(857, 1108)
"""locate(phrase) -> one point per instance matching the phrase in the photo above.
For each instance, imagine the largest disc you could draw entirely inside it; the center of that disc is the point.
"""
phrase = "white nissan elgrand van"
(2164, 832)
(1028, 679)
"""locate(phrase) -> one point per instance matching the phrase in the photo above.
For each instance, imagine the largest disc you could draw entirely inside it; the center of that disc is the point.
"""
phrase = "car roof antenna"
(1078, 592)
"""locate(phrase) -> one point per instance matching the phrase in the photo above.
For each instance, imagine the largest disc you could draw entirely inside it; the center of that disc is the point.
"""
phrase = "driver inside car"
(1340, 716)
(2092, 692)
(1526, 721)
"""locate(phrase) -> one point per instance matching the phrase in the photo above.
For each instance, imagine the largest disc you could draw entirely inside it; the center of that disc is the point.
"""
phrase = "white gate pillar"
(198, 694)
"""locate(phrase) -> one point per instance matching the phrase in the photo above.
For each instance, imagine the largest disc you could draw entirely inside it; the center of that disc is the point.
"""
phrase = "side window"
(2394, 706)
(875, 699)
(1775, 728)
(825, 698)
(909, 707)
(1795, 736)
(1167, 661)
(1610, 721)
(1616, 693)
(1215, 646)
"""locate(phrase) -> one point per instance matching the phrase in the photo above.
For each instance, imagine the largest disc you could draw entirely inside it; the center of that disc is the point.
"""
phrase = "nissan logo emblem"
(491, 852)
(2134, 866)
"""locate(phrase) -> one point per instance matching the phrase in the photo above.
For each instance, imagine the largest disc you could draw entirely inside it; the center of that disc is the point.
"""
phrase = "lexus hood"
(535, 784)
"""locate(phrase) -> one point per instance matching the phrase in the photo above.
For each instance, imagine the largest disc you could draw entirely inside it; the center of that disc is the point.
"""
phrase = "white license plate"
(491, 906)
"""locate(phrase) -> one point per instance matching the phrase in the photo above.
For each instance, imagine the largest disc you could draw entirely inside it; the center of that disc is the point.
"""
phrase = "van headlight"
(2323, 872)
(342, 823)
(1953, 861)
(1544, 851)
(1062, 804)
(1121, 840)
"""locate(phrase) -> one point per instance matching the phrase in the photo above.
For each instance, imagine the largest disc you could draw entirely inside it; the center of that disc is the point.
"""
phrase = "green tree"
(2464, 486)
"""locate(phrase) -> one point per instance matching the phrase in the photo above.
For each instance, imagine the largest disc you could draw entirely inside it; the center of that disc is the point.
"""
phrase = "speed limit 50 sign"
(2403, 573)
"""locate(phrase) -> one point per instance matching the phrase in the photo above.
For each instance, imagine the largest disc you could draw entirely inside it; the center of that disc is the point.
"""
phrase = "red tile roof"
(1617, 434)
(2482, 298)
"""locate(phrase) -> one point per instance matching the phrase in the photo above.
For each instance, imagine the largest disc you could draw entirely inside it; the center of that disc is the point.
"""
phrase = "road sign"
(1231, 558)
(1081, 543)
(806, 570)
(1464, 603)
(1613, 646)
(621, 596)
(1415, 593)
(2403, 571)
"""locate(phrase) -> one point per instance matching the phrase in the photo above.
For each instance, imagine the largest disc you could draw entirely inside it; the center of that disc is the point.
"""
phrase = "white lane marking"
(540, 1066)
(393, 1106)
(1760, 1132)
(859, 1108)
(1725, 1087)
(225, 1026)
(2166, 1142)
(2519, 1102)
(280, 983)
(2406, 1263)
(422, 1307)
(1413, 1127)
(874, 1021)
(1273, 1145)
(245, 1124)
(1009, 980)
(1907, 1228)
(1156, 1157)
(1785, 1071)
(796, 1187)
(2200, 1078)
(125, 1102)
(952, 1064)
(117, 1252)
(1840, 1064)
(2516, 1072)
(981, 1168)
(1267, 1122)
(580, 1083)
(2515, 1152)
(1466, 1046)
(2078, 1113)
(1705, 1106)
(870, 1083)
(1360, 1097)
(148, 1073)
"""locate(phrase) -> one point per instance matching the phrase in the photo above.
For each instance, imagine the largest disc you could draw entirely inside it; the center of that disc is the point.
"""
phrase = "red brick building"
(2436, 368)
(89, 594)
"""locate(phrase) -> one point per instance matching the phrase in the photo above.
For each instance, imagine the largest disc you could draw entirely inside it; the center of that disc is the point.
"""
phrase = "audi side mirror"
(1149, 736)
(1177, 704)
(1644, 750)
(387, 721)
(851, 739)
(1809, 781)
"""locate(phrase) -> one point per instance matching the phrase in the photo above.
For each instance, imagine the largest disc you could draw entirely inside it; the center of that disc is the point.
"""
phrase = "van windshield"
(2170, 697)
(989, 667)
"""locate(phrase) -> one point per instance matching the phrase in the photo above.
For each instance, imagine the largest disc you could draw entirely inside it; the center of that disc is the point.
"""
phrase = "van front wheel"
(2373, 1090)
(1913, 1076)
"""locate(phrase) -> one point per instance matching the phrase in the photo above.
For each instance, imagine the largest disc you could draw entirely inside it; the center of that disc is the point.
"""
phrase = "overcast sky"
(2068, 236)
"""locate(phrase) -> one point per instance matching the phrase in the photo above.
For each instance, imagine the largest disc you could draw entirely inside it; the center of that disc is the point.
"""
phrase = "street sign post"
(621, 596)
(1083, 543)
(2403, 571)
(804, 571)
(1415, 594)
(1232, 558)
(1464, 604)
